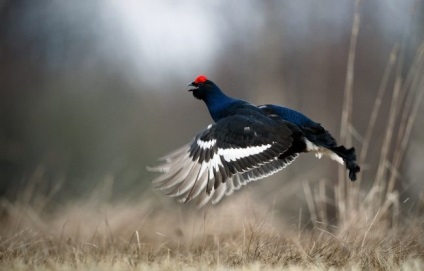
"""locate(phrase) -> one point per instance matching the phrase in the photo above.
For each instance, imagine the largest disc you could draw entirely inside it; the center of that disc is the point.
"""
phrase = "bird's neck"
(218, 103)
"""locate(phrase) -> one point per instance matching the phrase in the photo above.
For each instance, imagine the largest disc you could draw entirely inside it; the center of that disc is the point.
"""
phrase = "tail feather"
(349, 157)
(322, 138)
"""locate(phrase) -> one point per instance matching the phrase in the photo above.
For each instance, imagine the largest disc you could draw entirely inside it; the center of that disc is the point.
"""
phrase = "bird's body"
(245, 143)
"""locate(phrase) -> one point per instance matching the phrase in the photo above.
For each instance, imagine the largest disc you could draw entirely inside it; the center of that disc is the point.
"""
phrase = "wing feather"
(224, 157)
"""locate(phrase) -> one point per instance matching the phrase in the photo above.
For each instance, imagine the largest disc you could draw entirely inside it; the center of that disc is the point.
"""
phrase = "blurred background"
(91, 92)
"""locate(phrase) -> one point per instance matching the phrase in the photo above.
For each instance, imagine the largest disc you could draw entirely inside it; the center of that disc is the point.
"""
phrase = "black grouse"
(246, 143)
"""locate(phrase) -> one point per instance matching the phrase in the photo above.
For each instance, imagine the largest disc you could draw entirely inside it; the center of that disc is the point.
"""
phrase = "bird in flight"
(245, 143)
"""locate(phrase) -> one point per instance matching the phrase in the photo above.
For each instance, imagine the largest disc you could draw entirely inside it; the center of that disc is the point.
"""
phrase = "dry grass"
(95, 236)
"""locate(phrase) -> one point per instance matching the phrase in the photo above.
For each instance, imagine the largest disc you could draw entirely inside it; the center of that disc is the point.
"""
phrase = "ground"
(236, 235)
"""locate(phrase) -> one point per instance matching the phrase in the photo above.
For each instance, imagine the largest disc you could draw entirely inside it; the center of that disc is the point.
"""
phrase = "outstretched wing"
(220, 159)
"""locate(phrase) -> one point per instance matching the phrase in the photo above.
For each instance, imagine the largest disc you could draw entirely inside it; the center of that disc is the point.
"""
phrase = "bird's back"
(287, 114)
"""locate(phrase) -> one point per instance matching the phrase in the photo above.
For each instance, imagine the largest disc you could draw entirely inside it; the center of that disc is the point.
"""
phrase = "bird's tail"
(349, 157)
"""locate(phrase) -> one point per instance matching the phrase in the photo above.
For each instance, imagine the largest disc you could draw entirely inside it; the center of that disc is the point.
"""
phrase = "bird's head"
(203, 87)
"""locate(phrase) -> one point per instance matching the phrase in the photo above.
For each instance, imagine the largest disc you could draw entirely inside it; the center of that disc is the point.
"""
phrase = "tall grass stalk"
(346, 119)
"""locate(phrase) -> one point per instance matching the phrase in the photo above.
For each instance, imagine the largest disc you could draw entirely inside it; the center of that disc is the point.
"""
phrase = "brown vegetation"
(240, 234)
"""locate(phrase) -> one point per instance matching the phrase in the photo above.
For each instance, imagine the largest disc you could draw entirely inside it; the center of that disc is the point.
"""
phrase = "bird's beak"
(192, 84)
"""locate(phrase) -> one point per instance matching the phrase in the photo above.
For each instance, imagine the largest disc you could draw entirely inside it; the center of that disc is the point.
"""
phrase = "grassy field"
(239, 235)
